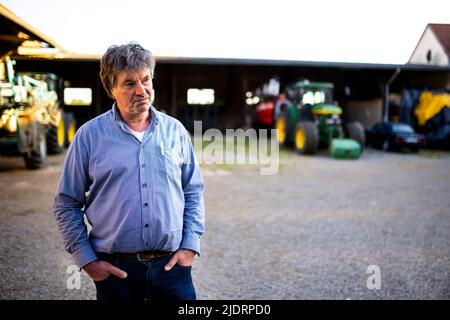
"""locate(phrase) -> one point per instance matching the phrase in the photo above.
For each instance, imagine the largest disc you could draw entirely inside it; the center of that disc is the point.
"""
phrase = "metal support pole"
(386, 94)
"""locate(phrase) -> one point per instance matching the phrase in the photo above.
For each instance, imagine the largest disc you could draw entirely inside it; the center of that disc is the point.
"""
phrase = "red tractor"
(263, 101)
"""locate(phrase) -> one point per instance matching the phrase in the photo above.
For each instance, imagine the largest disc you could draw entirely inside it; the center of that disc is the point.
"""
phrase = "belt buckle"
(148, 256)
(138, 256)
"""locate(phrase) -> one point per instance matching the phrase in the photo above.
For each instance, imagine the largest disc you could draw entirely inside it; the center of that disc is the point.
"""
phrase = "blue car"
(394, 136)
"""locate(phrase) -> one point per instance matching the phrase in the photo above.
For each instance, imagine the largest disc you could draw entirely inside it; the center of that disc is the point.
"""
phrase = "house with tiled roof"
(433, 47)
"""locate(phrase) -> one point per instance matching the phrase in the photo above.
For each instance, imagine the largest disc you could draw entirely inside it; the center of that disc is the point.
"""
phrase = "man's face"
(133, 91)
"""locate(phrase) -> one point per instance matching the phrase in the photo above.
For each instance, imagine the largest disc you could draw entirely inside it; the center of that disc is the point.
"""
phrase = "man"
(133, 173)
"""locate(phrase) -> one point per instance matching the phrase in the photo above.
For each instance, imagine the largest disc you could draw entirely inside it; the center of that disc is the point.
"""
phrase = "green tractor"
(308, 120)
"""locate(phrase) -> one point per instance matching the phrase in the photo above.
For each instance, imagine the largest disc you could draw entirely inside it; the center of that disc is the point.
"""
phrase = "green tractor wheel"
(71, 129)
(55, 137)
(355, 131)
(61, 136)
(306, 138)
(284, 128)
(281, 127)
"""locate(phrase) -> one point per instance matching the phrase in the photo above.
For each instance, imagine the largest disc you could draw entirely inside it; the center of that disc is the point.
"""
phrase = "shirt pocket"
(168, 162)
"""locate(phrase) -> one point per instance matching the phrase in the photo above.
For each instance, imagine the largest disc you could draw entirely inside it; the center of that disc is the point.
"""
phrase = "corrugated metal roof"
(251, 62)
(296, 63)
(14, 31)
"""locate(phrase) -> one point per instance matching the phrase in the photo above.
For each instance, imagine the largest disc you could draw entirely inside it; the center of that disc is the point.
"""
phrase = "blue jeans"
(147, 280)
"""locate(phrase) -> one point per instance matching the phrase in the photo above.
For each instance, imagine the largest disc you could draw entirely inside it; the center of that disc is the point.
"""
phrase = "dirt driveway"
(316, 230)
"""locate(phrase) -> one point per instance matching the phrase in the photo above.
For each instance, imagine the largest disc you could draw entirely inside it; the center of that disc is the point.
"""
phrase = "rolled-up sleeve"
(69, 201)
(193, 188)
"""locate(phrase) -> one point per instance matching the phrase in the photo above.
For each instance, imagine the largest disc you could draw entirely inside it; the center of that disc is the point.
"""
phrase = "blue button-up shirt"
(137, 196)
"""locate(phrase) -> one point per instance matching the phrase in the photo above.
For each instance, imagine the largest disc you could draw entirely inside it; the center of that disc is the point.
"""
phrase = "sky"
(376, 31)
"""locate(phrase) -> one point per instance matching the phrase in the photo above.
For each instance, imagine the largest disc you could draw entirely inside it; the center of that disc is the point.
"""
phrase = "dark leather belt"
(144, 255)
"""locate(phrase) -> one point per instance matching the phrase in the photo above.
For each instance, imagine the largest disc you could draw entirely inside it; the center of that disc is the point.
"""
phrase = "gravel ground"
(309, 232)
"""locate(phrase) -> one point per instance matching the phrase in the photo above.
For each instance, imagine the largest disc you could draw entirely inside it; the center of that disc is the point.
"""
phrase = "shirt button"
(146, 204)
(146, 225)
(144, 185)
(143, 165)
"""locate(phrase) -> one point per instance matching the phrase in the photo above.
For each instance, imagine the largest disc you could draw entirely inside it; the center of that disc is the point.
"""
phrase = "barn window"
(200, 96)
(78, 96)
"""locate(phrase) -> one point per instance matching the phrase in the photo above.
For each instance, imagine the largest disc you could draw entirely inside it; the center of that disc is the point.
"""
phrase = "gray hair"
(127, 57)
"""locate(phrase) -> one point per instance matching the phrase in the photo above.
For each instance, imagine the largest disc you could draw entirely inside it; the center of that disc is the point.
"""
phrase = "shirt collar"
(155, 117)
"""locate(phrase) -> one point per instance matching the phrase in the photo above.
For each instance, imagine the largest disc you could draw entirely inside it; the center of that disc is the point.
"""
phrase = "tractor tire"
(355, 131)
(37, 157)
(281, 124)
(306, 138)
(70, 128)
(56, 137)
(60, 136)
